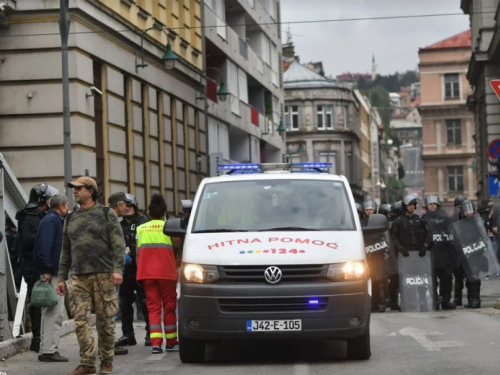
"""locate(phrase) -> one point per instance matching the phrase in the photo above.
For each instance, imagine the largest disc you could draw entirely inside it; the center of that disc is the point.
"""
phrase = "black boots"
(126, 341)
(36, 322)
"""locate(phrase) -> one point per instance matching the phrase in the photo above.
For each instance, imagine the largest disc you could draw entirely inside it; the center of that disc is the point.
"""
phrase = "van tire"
(358, 348)
(191, 351)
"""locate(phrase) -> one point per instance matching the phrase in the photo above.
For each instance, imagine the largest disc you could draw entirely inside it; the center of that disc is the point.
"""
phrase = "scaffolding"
(12, 199)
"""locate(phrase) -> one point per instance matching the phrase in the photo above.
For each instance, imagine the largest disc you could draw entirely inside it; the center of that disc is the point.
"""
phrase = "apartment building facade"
(484, 66)
(322, 118)
(243, 48)
(145, 134)
(448, 127)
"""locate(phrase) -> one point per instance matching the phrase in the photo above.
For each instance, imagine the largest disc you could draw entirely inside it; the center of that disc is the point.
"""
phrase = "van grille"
(255, 274)
(273, 304)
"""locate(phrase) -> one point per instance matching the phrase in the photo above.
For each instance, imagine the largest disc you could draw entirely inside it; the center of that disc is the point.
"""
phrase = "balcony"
(233, 46)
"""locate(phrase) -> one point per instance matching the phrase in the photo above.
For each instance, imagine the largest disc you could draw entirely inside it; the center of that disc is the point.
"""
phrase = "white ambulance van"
(273, 252)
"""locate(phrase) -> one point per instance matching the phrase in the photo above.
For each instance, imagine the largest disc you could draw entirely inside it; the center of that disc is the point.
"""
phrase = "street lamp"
(169, 57)
(281, 128)
(222, 92)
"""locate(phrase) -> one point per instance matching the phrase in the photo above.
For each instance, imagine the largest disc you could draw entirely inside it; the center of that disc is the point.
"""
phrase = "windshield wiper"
(287, 229)
(222, 230)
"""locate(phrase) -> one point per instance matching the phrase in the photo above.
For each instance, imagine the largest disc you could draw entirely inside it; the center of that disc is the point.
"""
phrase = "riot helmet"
(459, 200)
(467, 208)
(132, 201)
(40, 193)
(397, 208)
(370, 204)
(409, 200)
(432, 199)
(132, 206)
(385, 209)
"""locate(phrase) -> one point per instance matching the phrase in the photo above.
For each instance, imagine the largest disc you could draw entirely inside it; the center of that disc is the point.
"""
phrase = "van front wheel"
(359, 347)
(191, 351)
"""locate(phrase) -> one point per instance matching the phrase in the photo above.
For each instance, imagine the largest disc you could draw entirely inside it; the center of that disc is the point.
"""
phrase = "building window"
(455, 178)
(452, 86)
(325, 116)
(453, 132)
(292, 117)
(345, 115)
(329, 157)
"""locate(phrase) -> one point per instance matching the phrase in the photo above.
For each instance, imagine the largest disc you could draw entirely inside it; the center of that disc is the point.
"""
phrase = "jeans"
(492, 258)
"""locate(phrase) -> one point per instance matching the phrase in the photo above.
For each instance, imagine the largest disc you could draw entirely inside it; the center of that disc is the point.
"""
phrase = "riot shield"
(416, 282)
(472, 244)
(380, 256)
(443, 250)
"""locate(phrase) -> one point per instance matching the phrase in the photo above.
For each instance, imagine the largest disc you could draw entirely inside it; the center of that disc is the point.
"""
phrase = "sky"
(348, 46)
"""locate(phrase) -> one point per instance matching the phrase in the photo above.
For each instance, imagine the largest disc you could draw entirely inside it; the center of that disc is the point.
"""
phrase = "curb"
(12, 347)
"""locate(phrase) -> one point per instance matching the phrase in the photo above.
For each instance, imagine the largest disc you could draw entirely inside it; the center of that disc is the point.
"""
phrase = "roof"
(298, 76)
(286, 65)
(461, 40)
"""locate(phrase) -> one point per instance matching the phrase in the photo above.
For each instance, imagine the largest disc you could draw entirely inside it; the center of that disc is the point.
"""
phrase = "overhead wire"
(381, 18)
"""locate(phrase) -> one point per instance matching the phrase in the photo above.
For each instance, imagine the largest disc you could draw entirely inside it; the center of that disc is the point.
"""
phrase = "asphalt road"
(443, 342)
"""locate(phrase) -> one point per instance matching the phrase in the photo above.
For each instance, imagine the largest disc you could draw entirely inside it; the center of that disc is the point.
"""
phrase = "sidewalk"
(27, 362)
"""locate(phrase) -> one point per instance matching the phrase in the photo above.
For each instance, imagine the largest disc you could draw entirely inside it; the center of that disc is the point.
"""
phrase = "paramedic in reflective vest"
(157, 272)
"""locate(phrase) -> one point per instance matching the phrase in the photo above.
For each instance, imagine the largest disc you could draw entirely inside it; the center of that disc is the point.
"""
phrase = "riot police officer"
(28, 220)
(410, 234)
(131, 220)
(457, 205)
(396, 209)
(467, 212)
(381, 260)
(370, 207)
(443, 251)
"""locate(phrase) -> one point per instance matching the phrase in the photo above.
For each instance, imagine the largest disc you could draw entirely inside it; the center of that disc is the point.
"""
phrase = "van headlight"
(200, 274)
(355, 270)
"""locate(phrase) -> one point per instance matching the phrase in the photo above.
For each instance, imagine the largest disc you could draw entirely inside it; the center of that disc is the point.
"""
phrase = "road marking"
(301, 369)
(157, 357)
(420, 336)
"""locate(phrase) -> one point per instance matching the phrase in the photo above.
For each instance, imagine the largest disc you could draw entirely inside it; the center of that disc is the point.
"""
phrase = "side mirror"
(173, 228)
(376, 224)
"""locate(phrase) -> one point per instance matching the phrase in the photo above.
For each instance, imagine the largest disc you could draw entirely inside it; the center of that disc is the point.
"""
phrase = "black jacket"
(48, 243)
(410, 233)
(28, 221)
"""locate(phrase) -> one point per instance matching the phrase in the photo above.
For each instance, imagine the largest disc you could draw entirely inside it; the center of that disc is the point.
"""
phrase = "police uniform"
(28, 221)
(130, 285)
(411, 234)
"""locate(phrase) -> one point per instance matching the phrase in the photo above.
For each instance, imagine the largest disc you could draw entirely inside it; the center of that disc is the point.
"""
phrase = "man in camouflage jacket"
(93, 250)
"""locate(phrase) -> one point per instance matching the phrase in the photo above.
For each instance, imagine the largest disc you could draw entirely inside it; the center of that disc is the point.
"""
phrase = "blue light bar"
(313, 301)
(311, 165)
(233, 167)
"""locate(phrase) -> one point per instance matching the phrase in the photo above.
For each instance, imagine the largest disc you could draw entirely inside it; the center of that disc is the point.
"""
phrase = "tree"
(379, 97)
(396, 189)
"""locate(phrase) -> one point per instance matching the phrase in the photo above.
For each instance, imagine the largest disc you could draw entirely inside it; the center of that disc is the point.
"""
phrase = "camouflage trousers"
(88, 292)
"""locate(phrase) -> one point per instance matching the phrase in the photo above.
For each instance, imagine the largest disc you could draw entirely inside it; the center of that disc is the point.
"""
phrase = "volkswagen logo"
(273, 275)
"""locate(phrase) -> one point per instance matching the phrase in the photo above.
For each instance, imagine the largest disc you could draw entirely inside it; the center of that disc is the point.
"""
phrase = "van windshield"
(280, 205)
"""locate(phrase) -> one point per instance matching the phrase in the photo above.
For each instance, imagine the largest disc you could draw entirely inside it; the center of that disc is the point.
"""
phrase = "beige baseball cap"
(83, 181)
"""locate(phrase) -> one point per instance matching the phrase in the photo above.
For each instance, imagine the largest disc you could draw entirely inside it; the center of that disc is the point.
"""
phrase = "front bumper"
(201, 317)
